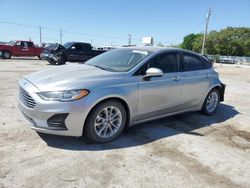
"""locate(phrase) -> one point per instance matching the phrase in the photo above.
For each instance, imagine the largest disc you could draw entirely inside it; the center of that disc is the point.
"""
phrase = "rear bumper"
(222, 91)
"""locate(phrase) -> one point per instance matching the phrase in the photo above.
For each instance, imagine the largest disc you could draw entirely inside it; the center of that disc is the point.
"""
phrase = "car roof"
(22, 40)
(160, 49)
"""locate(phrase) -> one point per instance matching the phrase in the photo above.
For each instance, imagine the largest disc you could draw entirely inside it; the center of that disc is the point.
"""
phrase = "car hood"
(68, 77)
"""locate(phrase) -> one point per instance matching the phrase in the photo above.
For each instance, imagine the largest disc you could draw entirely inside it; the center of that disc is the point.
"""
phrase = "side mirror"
(153, 72)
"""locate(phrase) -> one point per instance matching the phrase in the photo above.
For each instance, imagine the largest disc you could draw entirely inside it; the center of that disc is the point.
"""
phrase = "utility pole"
(204, 37)
(60, 36)
(129, 39)
(40, 32)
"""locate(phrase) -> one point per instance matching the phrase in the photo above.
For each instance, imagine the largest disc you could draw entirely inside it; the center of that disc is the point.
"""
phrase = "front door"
(74, 52)
(160, 95)
(22, 49)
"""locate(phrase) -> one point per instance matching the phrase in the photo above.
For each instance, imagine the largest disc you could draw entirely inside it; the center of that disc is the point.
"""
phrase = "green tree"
(188, 41)
(233, 41)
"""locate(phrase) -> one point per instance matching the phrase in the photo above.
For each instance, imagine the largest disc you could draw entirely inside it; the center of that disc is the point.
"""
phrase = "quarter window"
(192, 63)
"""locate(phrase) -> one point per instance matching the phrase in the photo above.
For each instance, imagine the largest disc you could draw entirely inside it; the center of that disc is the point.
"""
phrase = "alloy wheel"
(212, 101)
(108, 121)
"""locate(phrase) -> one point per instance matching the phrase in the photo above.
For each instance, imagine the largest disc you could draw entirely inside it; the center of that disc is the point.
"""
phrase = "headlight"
(67, 95)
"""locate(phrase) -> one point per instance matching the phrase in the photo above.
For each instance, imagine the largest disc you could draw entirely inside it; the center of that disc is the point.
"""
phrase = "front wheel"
(105, 122)
(211, 102)
(6, 55)
(61, 60)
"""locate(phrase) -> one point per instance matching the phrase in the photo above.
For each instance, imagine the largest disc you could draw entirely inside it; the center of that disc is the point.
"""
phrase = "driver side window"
(167, 62)
(18, 43)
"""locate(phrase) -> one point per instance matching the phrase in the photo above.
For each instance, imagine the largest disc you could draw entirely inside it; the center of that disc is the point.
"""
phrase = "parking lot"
(189, 150)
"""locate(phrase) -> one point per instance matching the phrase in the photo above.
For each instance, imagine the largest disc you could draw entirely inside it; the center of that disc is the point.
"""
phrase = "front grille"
(26, 98)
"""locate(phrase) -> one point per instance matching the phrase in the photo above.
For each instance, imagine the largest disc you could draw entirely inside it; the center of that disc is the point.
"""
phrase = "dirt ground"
(189, 150)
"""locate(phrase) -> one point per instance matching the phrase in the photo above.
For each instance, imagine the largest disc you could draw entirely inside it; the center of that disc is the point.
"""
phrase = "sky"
(108, 22)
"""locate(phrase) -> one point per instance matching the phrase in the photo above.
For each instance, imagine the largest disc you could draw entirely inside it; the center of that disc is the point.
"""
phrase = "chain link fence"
(242, 60)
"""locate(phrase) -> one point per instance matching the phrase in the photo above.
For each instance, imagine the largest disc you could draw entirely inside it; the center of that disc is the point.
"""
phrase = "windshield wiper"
(103, 68)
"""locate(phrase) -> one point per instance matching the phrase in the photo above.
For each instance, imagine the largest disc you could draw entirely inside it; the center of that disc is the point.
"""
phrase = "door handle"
(207, 75)
(176, 78)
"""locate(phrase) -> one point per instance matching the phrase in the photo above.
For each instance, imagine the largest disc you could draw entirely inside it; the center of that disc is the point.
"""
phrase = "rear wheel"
(211, 102)
(105, 122)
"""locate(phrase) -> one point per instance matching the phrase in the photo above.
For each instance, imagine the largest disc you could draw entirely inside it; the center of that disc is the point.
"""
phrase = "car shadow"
(147, 132)
(23, 58)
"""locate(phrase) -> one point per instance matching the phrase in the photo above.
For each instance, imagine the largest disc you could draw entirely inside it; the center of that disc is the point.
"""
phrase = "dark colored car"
(19, 48)
(70, 51)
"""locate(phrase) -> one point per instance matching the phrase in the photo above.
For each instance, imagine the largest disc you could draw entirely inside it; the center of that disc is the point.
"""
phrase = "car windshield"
(119, 60)
(12, 43)
(67, 45)
(51, 46)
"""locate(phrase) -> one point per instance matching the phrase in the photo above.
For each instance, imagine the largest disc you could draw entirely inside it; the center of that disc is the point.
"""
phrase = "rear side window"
(192, 63)
(29, 44)
(86, 47)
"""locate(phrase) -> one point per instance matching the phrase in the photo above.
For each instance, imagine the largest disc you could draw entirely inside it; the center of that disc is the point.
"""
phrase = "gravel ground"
(189, 150)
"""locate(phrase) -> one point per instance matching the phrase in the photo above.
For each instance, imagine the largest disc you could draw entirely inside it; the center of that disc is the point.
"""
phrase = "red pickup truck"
(19, 48)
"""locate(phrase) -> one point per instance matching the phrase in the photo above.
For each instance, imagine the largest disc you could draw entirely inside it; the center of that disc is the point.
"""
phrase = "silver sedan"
(118, 89)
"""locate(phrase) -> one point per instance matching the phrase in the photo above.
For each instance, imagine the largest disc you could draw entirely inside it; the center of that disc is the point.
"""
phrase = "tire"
(98, 126)
(61, 60)
(52, 62)
(39, 57)
(211, 102)
(6, 55)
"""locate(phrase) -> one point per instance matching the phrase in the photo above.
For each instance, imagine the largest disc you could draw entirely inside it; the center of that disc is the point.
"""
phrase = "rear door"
(195, 79)
(86, 52)
(31, 49)
(160, 95)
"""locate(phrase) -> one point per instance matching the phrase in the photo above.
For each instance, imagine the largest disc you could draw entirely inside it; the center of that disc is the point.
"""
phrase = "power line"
(188, 32)
(13, 23)
(62, 31)
(26, 35)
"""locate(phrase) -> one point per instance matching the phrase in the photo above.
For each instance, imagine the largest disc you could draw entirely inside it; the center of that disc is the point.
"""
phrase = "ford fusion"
(118, 89)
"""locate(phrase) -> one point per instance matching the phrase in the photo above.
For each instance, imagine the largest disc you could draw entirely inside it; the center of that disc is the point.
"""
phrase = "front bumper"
(49, 57)
(39, 116)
